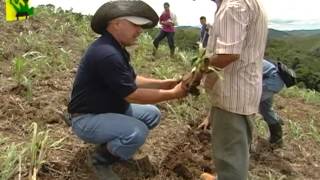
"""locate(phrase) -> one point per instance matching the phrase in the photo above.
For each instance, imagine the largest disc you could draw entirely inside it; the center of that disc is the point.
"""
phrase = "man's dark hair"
(166, 4)
(203, 17)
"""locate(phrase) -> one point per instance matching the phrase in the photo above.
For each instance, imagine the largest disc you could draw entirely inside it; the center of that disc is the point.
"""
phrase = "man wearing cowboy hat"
(109, 103)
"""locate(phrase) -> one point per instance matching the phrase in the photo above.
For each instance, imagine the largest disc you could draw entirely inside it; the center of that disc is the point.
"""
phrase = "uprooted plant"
(201, 66)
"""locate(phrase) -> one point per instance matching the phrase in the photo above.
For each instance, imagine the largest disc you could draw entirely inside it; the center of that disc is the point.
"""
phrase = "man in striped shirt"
(236, 43)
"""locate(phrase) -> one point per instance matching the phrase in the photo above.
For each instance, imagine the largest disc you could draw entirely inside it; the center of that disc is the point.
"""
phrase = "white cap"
(140, 21)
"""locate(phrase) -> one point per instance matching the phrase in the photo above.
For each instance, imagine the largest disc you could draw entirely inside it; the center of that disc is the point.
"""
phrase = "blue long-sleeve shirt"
(271, 78)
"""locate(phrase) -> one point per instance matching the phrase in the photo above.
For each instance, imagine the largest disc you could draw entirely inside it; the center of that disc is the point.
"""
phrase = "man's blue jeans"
(122, 134)
(266, 109)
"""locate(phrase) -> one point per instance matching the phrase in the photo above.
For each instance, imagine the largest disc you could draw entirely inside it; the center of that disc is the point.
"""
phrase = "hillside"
(273, 33)
(38, 61)
(300, 50)
(304, 33)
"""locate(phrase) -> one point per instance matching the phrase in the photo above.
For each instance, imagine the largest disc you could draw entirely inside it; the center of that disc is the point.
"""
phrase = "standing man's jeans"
(231, 139)
(266, 109)
(123, 134)
(170, 37)
(271, 85)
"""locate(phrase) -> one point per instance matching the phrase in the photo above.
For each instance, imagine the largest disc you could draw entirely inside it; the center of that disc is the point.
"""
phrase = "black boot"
(103, 156)
(171, 52)
(101, 161)
(275, 134)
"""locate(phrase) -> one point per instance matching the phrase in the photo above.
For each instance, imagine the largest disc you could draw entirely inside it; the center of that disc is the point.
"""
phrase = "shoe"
(103, 156)
(101, 161)
(102, 171)
(172, 53)
(207, 176)
(275, 134)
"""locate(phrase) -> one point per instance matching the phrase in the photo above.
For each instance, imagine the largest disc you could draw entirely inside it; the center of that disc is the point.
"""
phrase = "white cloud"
(293, 10)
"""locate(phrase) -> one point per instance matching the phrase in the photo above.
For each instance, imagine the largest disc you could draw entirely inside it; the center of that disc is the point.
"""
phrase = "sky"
(283, 14)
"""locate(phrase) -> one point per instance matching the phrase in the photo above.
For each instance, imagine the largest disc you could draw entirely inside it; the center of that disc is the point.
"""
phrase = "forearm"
(223, 60)
(149, 83)
(150, 96)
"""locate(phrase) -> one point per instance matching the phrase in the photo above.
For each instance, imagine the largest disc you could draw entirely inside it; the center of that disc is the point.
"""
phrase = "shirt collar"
(107, 36)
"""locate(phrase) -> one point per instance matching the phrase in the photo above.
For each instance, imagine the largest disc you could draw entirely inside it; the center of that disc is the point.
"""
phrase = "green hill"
(304, 33)
(273, 33)
(301, 51)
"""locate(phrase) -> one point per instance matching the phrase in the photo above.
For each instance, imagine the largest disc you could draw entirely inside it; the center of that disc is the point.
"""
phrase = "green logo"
(18, 10)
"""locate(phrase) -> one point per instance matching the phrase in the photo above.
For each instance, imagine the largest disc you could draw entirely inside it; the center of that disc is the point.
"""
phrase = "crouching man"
(110, 104)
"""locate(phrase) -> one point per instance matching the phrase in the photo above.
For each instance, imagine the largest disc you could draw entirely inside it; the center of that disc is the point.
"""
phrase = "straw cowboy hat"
(135, 11)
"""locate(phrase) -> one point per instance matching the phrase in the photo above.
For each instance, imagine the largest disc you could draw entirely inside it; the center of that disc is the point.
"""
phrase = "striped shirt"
(240, 27)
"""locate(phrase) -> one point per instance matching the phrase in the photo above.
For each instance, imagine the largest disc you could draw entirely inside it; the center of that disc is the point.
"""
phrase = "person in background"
(167, 21)
(271, 85)
(204, 31)
(111, 106)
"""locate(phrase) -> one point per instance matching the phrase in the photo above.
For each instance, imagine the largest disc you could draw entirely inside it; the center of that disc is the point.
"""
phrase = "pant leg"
(170, 38)
(148, 114)
(266, 110)
(159, 38)
(231, 138)
(123, 135)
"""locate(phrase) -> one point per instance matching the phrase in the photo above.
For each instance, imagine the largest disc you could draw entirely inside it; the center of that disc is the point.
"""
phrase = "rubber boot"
(275, 134)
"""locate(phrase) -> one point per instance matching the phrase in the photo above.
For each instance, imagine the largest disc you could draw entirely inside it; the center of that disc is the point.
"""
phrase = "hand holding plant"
(201, 66)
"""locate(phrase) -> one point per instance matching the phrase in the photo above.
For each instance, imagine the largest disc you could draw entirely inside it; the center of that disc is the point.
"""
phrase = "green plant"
(37, 150)
(296, 132)
(308, 95)
(314, 131)
(28, 84)
(22, 74)
(9, 161)
(201, 66)
(20, 68)
(261, 127)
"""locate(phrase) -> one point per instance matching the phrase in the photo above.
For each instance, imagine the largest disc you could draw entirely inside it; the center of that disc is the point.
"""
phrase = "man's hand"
(180, 90)
(205, 124)
(191, 81)
(167, 23)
